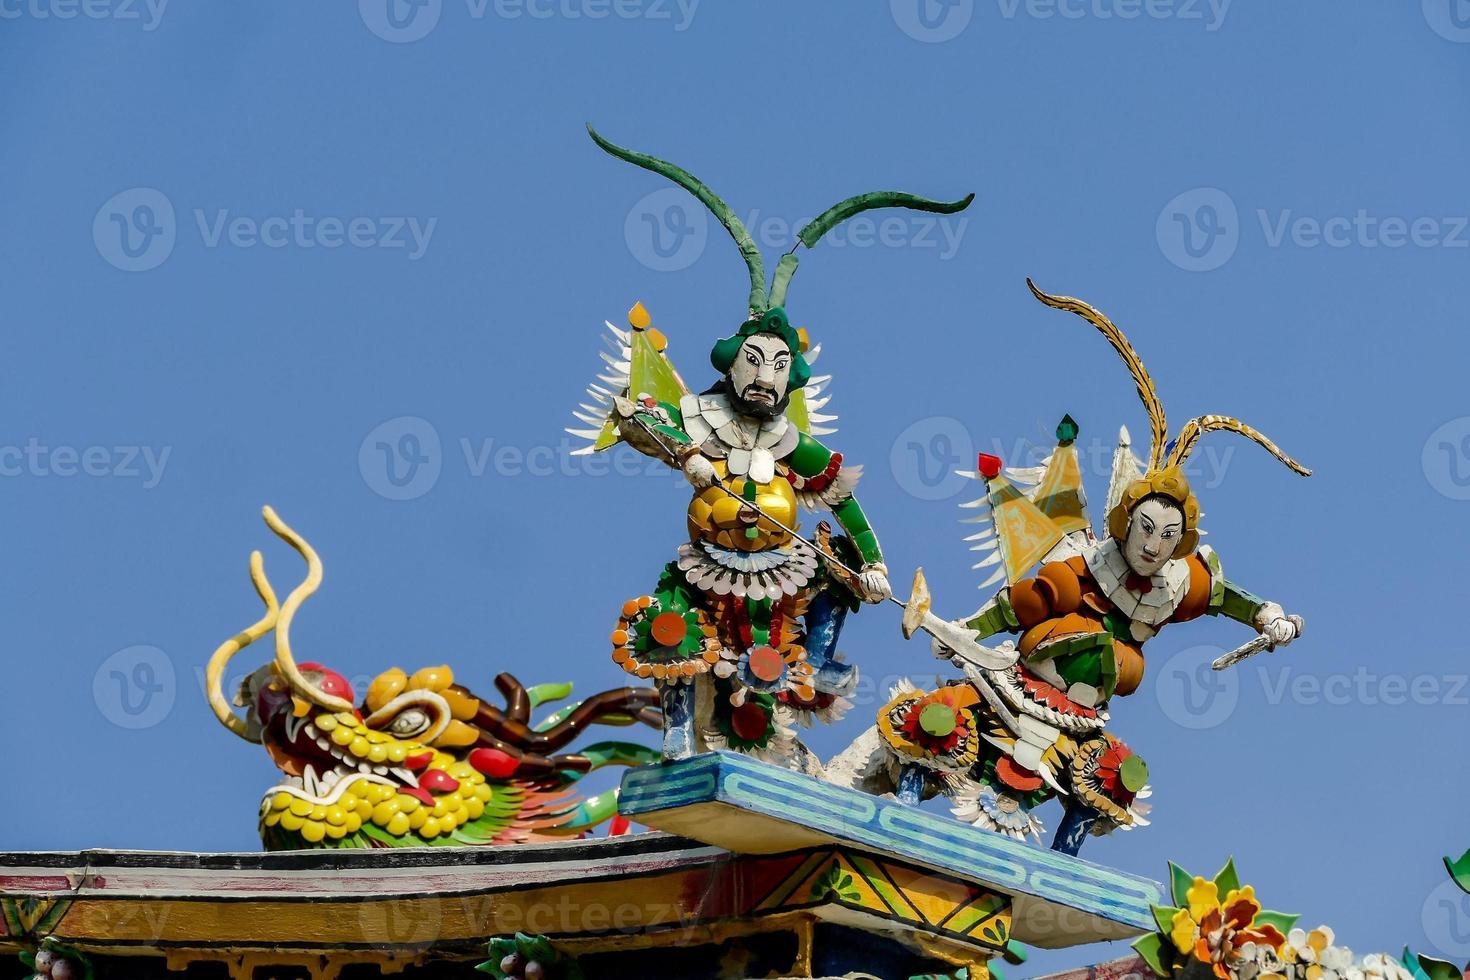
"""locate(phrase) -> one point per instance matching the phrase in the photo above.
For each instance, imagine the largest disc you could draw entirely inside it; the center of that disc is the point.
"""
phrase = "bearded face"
(758, 380)
(1154, 529)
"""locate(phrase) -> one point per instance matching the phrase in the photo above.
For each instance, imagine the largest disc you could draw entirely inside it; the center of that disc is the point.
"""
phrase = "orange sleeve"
(1196, 601)
(1054, 591)
(1129, 660)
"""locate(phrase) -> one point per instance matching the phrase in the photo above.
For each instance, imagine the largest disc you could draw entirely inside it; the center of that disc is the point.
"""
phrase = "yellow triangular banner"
(650, 372)
(1025, 533)
(1060, 495)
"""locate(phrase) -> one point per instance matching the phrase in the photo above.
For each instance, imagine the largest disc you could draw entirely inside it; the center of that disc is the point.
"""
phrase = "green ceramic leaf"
(537, 948)
(1281, 920)
(544, 693)
(500, 948)
(1227, 880)
(1151, 949)
(1438, 969)
(1179, 881)
(1460, 870)
(1164, 916)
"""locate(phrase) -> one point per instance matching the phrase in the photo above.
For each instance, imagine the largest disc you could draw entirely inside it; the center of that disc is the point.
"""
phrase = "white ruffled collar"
(749, 448)
(1146, 610)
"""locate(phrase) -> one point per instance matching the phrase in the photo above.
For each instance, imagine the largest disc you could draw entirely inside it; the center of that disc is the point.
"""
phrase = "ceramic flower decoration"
(1218, 929)
(1212, 925)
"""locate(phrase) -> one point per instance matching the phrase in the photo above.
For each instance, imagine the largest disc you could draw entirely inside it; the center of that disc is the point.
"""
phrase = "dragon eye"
(410, 722)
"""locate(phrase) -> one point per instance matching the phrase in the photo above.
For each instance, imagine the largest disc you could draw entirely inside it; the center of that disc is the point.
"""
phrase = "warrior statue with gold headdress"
(739, 634)
(1002, 741)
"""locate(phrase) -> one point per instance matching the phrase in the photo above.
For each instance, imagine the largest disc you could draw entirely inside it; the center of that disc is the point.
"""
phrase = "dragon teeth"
(308, 781)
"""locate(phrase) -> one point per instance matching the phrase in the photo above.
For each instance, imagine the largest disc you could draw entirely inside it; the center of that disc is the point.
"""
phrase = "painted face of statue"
(760, 375)
(1154, 529)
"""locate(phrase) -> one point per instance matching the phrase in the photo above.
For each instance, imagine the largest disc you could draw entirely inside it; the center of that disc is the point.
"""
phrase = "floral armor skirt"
(996, 777)
(761, 624)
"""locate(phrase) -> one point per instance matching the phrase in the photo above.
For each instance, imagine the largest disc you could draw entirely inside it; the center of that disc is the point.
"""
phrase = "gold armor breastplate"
(720, 519)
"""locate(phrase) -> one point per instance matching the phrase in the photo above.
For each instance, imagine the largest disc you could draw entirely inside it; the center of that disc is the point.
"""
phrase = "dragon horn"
(1194, 428)
(286, 663)
(214, 673)
(709, 199)
(1158, 425)
(840, 212)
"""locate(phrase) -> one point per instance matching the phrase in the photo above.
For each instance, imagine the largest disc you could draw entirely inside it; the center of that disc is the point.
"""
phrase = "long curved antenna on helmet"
(1158, 424)
(707, 197)
(214, 673)
(1189, 437)
(840, 212)
(285, 662)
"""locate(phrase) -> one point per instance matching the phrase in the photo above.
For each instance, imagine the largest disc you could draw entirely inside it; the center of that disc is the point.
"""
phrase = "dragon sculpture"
(421, 760)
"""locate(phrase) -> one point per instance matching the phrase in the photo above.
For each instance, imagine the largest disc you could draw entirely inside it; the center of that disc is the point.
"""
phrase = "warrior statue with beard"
(739, 633)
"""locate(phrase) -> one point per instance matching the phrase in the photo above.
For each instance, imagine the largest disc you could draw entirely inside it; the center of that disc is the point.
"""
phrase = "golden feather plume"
(1194, 428)
(1158, 425)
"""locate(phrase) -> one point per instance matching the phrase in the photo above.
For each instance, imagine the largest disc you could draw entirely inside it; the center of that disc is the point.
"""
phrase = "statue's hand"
(699, 471)
(873, 580)
(1273, 622)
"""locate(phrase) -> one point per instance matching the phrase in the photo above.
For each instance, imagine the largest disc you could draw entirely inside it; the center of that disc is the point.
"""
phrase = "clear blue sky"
(1269, 197)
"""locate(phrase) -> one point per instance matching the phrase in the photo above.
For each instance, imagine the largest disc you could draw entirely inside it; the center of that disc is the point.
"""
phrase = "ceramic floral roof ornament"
(1078, 605)
(1216, 928)
(1214, 924)
(739, 632)
(421, 760)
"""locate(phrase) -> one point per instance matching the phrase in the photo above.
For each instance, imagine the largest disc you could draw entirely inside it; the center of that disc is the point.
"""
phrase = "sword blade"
(1242, 652)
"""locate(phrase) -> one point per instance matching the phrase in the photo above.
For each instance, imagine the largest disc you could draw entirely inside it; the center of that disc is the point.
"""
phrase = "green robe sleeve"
(810, 461)
(996, 616)
(1226, 598)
